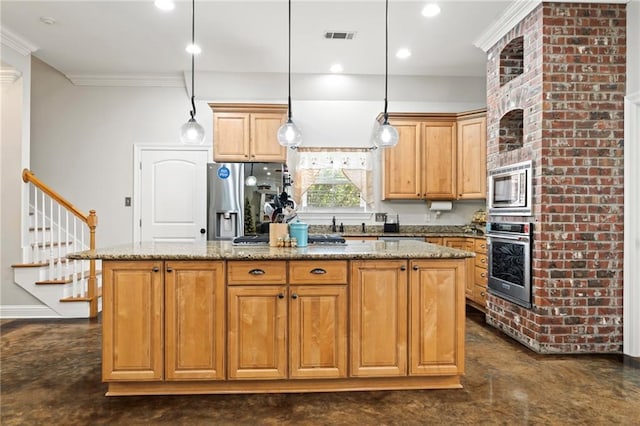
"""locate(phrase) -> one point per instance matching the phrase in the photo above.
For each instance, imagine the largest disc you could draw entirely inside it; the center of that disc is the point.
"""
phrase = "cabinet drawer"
(480, 295)
(434, 240)
(318, 272)
(481, 276)
(251, 272)
(480, 246)
(481, 260)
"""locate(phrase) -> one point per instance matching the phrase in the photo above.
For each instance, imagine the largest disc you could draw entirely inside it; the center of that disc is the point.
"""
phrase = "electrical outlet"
(381, 217)
(127, 201)
(427, 218)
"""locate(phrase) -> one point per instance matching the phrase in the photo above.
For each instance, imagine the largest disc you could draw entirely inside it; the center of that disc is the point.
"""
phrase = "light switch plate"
(381, 217)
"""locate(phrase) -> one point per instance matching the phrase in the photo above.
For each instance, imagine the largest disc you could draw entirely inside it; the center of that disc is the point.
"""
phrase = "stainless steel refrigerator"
(225, 201)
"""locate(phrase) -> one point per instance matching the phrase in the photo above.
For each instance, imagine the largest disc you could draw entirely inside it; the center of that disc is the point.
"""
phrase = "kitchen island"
(217, 318)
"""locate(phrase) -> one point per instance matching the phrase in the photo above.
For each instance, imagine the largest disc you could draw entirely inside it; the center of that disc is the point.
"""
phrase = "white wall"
(14, 150)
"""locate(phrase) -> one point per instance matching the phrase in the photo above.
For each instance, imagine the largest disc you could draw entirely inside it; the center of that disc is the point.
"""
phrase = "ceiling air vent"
(339, 35)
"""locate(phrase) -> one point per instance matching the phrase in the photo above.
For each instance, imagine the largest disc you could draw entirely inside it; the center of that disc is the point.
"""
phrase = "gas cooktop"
(263, 239)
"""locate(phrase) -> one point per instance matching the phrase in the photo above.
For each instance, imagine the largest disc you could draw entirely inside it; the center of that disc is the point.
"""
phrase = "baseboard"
(27, 311)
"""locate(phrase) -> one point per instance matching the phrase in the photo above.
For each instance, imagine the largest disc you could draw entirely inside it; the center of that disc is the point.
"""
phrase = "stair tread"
(65, 280)
(81, 298)
(39, 264)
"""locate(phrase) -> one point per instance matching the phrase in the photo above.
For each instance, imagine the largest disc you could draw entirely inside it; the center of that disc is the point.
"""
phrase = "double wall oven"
(509, 261)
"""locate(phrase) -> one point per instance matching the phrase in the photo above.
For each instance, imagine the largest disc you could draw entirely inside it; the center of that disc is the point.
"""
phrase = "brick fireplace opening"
(562, 107)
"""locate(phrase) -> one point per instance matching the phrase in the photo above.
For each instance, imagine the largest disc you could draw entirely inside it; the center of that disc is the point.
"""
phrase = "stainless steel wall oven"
(509, 255)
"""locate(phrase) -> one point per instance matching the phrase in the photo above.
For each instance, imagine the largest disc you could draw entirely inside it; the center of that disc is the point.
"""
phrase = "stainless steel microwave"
(510, 190)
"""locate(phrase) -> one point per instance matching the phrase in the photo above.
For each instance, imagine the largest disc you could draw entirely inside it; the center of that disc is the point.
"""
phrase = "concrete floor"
(50, 374)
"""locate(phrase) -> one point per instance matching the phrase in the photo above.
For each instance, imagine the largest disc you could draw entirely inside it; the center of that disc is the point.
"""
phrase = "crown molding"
(127, 80)
(16, 42)
(9, 75)
(515, 14)
(509, 19)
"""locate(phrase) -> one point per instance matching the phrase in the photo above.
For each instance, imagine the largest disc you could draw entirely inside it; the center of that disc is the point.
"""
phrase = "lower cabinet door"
(194, 320)
(437, 317)
(318, 331)
(132, 321)
(378, 318)
(256, 337)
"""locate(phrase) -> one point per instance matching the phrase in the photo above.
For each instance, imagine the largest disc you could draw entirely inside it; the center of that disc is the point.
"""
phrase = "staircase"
(54, 228)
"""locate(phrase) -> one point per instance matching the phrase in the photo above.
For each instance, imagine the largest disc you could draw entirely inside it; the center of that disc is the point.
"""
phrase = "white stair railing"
(58, 229)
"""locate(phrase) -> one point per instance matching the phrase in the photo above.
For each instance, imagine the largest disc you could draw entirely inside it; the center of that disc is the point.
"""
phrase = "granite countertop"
(225, 250)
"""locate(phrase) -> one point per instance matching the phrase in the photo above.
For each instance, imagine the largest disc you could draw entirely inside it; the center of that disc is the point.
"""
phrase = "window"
(333, 179)
(332, 189)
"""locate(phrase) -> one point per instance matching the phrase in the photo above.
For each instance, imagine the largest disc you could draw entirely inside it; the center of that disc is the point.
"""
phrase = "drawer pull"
(257, 272)
(169, 269)
(280, 295)
(416, 267)
(403, 268)
(155, 269)
(294, 296)
(318, 271)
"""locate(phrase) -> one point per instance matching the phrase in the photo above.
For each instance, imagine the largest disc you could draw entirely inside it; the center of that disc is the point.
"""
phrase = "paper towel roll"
(441, 205)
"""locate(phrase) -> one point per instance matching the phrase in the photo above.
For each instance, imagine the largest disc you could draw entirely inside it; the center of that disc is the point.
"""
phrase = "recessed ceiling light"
(403, 53)
(165, 4)
(336, 68)
(431, 9)
(194, 49)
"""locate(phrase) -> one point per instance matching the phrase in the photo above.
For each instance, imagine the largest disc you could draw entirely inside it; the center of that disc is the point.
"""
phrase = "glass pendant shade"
(192, 133)
(251, 181)
(385, 136)
(289, 135)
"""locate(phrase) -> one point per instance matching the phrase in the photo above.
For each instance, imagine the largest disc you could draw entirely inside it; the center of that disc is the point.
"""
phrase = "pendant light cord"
(289, 97)
(193, 55)
(386, 59)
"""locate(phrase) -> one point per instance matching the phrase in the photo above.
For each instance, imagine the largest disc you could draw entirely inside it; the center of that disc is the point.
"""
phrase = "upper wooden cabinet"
(422, 165)
(438, 157)
(248, 132)
(472, 156)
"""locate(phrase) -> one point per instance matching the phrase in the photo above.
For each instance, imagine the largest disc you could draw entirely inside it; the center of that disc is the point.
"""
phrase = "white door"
(173, 195)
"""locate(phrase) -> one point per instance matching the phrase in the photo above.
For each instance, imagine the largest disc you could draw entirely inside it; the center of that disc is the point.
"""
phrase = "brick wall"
(571, 92)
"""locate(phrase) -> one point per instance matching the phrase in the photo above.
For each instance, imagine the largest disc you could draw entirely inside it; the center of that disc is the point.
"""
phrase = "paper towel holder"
(439, 206)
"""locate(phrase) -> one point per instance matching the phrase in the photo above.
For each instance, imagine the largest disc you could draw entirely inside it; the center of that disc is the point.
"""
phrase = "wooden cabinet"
(248, 132)
(480, 276)
(439, 160)
(295, 329)
(463, 243)
(472, 156)
(379, 318)
(133, 304)
(422, 165)
(434, 240)
(436, 324)
(194, 320)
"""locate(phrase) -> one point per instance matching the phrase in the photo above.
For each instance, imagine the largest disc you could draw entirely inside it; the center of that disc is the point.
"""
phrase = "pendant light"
(192, 133)
(386, 136)
(289, 134)
(251, 180)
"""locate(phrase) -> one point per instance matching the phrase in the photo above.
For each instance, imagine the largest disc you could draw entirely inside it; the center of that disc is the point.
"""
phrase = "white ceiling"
(135, 38)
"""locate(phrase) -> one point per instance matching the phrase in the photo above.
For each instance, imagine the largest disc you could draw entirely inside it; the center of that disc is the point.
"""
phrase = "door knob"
(203, 231)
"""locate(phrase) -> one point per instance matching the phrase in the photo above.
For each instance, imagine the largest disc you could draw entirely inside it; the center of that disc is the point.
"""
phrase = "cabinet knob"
(416, 267)
(318, 271)
(483, 260)
(294, 296)
(155, 269)
(257, 272)
(403, 268)
(280, 295)
(482, 293)
(418, 194)
(483, 275)
(169, 269)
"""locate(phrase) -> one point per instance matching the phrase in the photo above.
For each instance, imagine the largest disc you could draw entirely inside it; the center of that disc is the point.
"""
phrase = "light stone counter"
(225, 250)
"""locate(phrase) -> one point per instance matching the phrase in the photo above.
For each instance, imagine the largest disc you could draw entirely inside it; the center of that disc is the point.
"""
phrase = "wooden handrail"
(28, 176)
(91, 220)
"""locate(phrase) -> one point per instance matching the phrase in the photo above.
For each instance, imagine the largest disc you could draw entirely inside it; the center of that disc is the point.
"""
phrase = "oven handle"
(508, 237)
